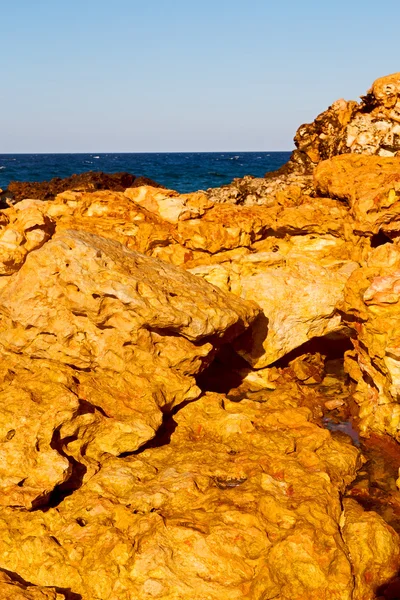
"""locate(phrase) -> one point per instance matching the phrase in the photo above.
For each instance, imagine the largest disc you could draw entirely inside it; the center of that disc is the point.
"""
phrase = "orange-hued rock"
(124, 475)
(13, 590)
(298, 297)
(112, 215)
(370, 185)
(371, 308)
(373, 549)
(36, 401)
(23, 228)
(170, 205)
(243, 502)
(106, 339)
(370, 127)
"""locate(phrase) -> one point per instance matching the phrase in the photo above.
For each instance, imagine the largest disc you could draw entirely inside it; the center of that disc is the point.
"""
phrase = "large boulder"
(107, 340)
(293, 258)
(298, 298)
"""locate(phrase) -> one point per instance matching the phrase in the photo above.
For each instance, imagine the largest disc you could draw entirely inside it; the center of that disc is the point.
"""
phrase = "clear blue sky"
(183, 75)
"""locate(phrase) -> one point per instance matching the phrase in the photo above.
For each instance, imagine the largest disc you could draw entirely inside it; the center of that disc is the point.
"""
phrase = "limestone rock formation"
(13, 590)
(370, 185)
(249, 250)
(243, 502)
(170, 205)
(126, 335)
(175, 407)
(371, 308)
(22, 229)
(298, 298)
(371, 127)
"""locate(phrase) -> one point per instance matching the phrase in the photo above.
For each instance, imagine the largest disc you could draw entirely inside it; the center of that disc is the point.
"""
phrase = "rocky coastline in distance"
(200, 392)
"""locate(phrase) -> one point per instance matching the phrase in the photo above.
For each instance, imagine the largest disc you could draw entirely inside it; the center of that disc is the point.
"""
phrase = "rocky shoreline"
(200, 392)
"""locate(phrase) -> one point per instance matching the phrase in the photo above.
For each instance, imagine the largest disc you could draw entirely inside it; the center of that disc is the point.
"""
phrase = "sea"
(181, 171)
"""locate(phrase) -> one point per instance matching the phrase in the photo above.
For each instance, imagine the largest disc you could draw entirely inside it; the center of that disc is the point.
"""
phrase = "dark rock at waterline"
(88, 182)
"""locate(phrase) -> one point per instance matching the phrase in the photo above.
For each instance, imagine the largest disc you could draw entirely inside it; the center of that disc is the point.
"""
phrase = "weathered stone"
(106, 495)
(298, 298)
(243, 502)
(371, 308)
(170, 205)
(22, 229)
(369, 184)
(371, 127)
(13, 590)
(373, 549)
(126, 335)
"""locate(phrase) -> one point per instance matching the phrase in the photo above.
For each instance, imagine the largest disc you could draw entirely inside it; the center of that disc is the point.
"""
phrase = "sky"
(183, 75)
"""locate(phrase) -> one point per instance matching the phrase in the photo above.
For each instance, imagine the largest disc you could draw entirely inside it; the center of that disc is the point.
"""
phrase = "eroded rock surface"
(370, 185)
(372, 310)
(371, 127)
(243, 502)
(167, 367)
(13, 590)
(126, 335)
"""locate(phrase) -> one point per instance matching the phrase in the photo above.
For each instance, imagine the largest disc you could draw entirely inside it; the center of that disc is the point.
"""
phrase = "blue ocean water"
(181, 171)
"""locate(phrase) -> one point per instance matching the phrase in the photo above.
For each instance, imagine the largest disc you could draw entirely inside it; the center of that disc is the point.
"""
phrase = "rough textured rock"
(373, 550)
(270, 254)
(89, 181)
(22, 229)
(298, 297)
(126, 335)
(13, 590)
(371, 308)
(170, 205)
(141, 455)
(243, 502)
(371, 187)
(370, 127)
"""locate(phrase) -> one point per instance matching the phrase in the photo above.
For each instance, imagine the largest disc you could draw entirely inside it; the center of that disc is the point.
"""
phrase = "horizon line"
(154, 152)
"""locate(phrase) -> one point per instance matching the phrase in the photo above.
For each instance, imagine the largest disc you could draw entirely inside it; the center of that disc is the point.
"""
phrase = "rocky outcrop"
(292, 259)
(89, 181)
(126, 335)
(168, 362)
(371, 127)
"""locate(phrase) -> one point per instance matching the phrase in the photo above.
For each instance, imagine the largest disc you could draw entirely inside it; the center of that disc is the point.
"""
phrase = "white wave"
(95, 156)
(2, 167)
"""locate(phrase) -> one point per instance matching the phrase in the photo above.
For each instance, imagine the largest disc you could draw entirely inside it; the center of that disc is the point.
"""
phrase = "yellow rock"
(369, 184)
(97, 340)
(12, 590)
(371, 307)
(243, 502)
